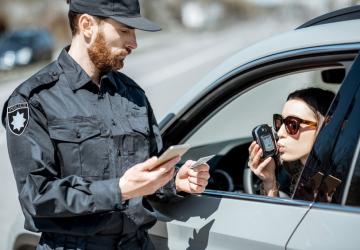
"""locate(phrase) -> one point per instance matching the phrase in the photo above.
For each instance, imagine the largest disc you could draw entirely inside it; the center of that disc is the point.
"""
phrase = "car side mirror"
(333, 76)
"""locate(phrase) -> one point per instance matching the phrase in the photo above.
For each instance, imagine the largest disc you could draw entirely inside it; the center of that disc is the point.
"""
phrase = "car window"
(23, 40)
(228, 132)
(327, 169)
(256, 106)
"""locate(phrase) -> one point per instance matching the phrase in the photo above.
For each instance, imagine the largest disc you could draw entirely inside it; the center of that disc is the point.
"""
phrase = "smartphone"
(331, 183)
(315, 181)
(172, 152)
(264, 136)
(201, 161)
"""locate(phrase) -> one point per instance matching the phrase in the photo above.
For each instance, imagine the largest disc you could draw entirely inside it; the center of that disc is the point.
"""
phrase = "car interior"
(226, 132)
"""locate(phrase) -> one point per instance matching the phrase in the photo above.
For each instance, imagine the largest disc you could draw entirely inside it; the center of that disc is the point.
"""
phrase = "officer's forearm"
(71, 196)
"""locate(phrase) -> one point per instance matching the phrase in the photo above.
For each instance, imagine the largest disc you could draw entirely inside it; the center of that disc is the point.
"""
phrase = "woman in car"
(297, 128)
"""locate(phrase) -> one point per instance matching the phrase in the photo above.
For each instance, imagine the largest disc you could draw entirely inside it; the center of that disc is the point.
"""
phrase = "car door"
(228, 218)
(335, 225)
(216, 220)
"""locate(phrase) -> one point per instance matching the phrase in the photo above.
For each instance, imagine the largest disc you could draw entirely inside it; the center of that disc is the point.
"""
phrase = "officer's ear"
(88, 27)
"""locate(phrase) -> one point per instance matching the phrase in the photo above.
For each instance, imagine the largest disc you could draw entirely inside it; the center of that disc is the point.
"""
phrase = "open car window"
(256, 106)
(227, 132)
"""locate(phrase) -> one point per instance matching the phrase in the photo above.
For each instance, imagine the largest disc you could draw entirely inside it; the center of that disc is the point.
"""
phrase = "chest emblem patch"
(18, 118)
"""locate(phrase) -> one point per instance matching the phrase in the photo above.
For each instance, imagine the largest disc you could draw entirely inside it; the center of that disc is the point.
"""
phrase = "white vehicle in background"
(217, 116)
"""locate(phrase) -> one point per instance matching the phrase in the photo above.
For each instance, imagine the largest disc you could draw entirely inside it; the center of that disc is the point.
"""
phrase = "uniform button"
(113, 122)
(119, 152)
(78, 135)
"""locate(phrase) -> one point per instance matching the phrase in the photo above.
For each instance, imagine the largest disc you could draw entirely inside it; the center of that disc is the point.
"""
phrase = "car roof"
(345, 14)
(343, 32)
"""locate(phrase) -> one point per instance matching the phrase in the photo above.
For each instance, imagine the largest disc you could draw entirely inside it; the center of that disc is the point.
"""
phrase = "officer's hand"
(146, 177)
(192, 180)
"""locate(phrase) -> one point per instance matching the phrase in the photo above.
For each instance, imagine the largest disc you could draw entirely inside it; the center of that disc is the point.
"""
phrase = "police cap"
(124, 11)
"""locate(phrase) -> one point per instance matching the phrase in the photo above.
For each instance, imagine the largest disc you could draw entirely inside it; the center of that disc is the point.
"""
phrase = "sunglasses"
(292, 123)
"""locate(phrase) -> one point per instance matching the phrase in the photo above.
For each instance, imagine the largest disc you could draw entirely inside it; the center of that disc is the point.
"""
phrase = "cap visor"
(140, 23)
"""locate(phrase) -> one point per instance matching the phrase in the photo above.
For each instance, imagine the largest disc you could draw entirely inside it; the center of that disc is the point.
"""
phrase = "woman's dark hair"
(319, 100)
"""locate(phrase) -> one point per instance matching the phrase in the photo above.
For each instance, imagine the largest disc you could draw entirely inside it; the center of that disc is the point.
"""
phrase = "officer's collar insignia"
(18, 118)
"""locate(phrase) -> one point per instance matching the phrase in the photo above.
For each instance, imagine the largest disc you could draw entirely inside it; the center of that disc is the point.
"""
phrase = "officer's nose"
(132, 43)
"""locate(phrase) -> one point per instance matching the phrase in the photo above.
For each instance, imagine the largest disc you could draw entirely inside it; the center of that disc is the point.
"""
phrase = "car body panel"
(324, 228)
(320, 35)
(210, 222)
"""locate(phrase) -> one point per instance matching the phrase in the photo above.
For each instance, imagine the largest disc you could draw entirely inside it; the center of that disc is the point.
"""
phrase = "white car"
(217, 116)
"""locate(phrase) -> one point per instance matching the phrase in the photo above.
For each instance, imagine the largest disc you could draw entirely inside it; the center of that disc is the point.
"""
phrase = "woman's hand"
(264, 169)
(192, 180)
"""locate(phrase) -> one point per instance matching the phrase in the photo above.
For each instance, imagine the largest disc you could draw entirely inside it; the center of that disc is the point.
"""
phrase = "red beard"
(102, 57)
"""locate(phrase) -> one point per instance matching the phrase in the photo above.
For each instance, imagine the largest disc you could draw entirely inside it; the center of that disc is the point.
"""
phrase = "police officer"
(83, 139)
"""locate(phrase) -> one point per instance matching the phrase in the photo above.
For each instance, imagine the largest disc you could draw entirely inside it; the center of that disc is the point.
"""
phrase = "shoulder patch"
(18, 118)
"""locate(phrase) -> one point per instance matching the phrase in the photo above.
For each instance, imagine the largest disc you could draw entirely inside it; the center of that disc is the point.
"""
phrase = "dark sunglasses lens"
(292, 126)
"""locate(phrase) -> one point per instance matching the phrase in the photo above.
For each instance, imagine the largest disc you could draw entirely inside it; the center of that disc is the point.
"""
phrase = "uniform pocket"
(140, 124)
(82, 146)
(136, 143)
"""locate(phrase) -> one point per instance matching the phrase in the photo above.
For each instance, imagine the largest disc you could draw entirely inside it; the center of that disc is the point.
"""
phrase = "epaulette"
(40, 80)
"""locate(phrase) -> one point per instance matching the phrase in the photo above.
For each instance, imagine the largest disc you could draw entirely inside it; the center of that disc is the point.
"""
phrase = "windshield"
(16, 38)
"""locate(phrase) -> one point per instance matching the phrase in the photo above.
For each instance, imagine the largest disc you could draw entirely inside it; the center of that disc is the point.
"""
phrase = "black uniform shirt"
(70, 141)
